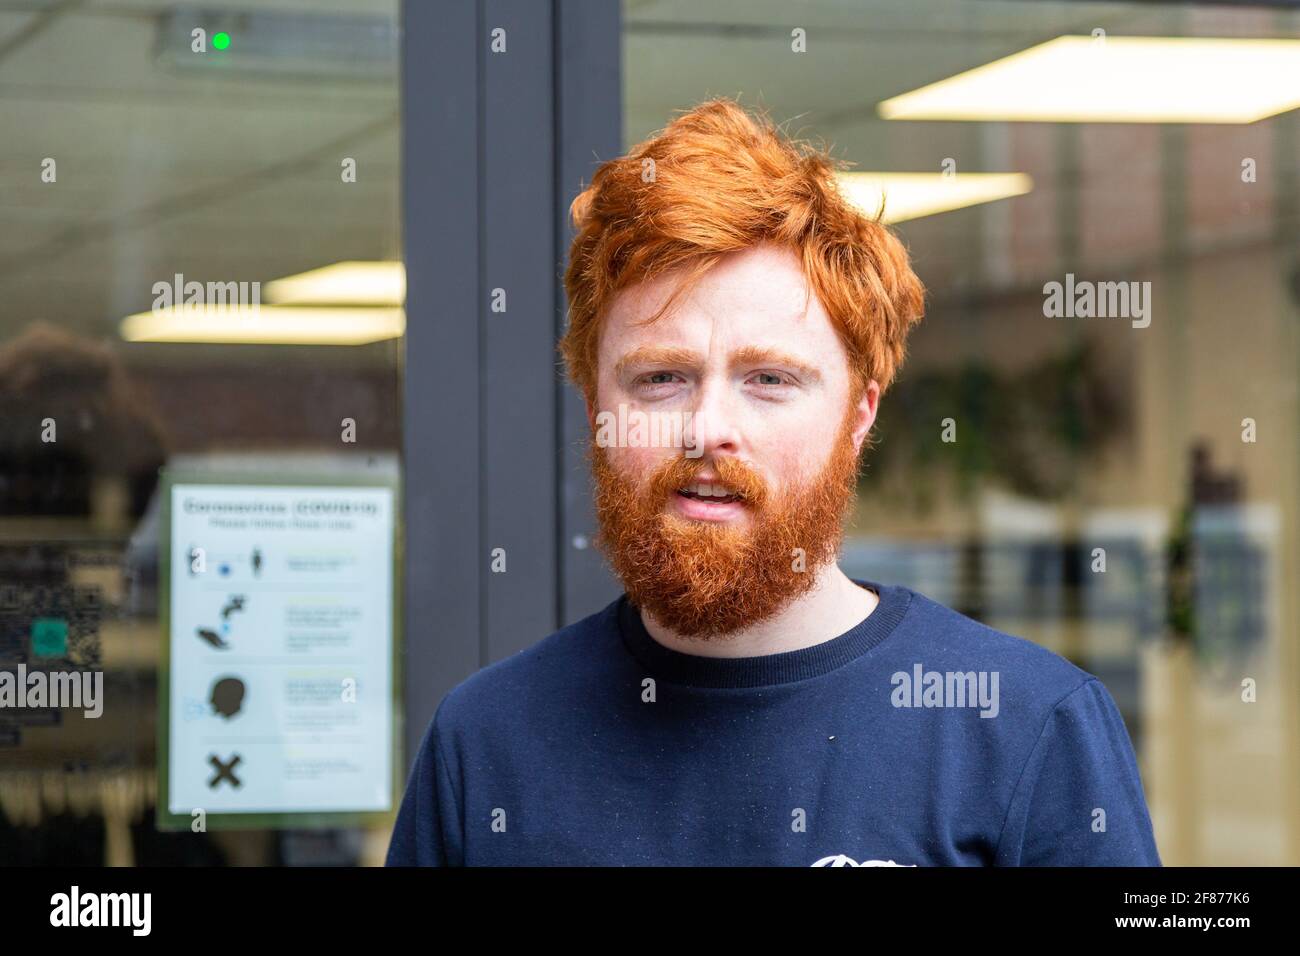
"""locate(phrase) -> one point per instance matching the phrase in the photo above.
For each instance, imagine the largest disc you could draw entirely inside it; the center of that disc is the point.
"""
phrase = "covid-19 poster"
(279, 652)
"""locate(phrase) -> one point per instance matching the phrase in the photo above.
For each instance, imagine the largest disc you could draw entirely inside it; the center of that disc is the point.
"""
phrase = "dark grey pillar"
(589, 131)
(495, 146)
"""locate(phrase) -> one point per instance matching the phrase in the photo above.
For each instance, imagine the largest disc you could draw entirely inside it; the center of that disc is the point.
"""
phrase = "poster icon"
(228, 696)
(212, 637)
(225, 771)
(236, 603)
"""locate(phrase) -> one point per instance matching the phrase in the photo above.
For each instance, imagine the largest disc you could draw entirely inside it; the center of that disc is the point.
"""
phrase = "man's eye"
(769, 378)
(659, 378)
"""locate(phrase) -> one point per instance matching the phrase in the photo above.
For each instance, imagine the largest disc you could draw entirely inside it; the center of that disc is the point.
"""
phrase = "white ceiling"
(1105, 196)
(164, 170)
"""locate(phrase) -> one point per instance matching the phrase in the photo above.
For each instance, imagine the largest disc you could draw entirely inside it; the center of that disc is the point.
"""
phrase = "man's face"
(708, 537)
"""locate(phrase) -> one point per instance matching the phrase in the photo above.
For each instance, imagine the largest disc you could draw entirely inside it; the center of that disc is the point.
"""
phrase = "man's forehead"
(764, 289)
(752, 307)
(763, 273)
(680, 339)
(705, 322)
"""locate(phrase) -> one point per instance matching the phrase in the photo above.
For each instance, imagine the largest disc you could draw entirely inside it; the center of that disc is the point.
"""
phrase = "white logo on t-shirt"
(842, 860)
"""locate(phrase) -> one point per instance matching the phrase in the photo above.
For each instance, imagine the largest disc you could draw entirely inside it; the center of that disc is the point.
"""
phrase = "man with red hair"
(745, 702)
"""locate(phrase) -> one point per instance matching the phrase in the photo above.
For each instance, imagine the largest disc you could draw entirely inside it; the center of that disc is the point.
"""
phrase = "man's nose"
(713, 428)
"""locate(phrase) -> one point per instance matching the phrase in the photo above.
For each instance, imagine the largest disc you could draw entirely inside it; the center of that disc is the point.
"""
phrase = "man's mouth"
(709, 501)
(711, 491)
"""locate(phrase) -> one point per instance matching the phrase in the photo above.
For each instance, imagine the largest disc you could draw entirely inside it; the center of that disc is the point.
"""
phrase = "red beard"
(700, 579)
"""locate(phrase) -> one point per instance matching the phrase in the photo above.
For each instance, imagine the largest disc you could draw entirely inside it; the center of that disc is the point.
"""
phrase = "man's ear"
(865, 413)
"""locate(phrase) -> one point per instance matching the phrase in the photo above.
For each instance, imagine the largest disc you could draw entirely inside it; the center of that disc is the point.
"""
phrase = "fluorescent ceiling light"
(1075, 79)
(343, 283)
(266, 325)
(913, 195)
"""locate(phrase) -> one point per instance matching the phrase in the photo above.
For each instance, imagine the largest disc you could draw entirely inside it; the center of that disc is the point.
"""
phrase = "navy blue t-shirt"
(919, 738)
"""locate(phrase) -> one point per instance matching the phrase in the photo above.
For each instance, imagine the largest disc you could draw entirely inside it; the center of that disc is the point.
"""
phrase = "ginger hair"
(718, 180)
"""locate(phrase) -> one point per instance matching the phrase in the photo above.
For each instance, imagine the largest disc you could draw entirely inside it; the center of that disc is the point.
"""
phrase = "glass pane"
(143, 164)
(1118, 483)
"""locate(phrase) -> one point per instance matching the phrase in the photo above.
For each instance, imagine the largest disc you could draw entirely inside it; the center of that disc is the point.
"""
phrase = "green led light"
(220, 41)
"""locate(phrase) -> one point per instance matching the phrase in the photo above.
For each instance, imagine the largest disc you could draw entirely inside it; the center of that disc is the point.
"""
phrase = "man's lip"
(701, 510)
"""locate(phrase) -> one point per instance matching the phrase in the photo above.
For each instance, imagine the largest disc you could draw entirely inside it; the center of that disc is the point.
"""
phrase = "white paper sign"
(281, 649)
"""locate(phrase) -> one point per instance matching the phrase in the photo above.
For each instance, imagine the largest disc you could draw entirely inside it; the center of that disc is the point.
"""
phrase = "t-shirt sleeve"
(428, 831)
(1079, 800)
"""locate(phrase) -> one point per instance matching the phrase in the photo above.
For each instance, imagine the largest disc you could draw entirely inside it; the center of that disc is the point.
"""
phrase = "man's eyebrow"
(756, 355)
(749, 355)
(655, 355)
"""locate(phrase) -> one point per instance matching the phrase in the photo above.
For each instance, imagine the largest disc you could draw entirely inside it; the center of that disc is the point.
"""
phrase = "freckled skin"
(780, 412)
(752, 298)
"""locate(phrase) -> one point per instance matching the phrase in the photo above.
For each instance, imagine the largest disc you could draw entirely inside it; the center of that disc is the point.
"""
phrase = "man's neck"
(833, 606)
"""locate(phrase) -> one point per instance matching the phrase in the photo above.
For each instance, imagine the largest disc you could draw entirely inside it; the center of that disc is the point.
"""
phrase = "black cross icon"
(225, 771)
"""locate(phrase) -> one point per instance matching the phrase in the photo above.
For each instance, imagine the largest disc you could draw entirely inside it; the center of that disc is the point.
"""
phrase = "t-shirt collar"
(766, 669)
